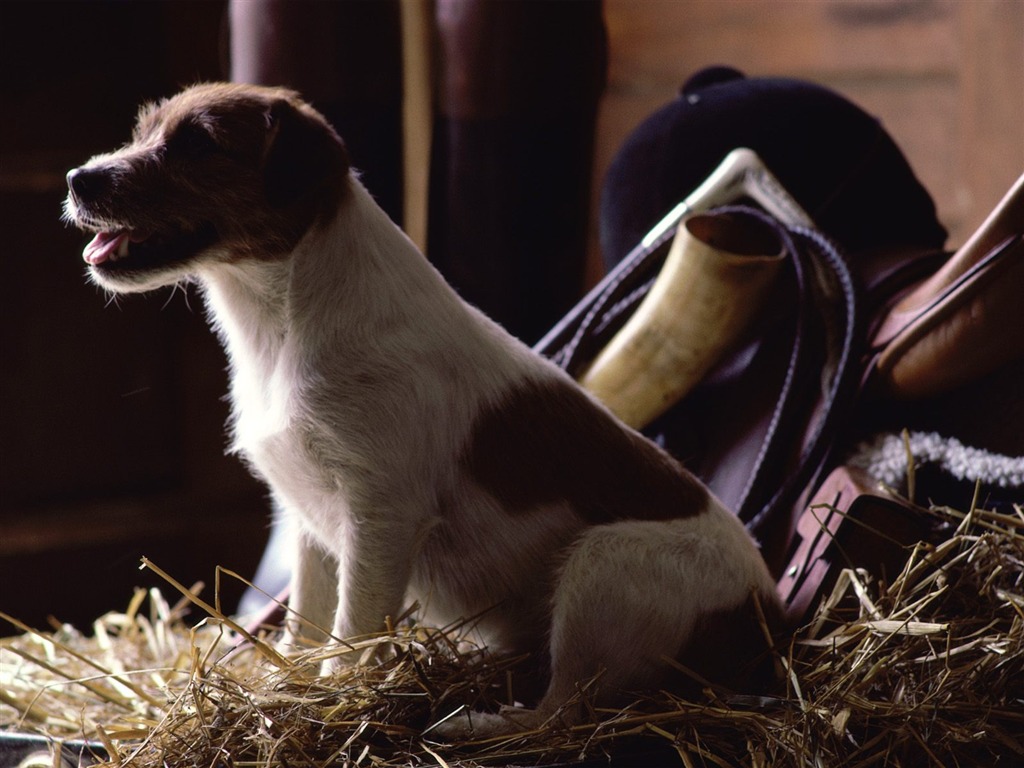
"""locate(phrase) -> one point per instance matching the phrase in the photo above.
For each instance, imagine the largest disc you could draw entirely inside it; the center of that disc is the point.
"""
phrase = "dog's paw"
(294, 647)
(315, 657)
(466, 725)
(340, 659)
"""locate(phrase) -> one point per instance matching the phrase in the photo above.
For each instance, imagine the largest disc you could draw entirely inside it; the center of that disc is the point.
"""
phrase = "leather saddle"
(872, 327)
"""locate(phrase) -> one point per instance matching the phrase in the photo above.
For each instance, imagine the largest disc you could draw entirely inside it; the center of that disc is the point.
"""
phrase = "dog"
(425, 453)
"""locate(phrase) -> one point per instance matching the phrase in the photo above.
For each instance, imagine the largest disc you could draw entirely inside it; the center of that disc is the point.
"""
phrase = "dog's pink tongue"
(102, 246)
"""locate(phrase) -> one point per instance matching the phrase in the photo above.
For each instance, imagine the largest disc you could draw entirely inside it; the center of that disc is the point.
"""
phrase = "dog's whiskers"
(175, 287)
(112, 299)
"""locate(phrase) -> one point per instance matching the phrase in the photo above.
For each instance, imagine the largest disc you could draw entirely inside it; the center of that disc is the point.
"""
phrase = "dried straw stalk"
(926, 670)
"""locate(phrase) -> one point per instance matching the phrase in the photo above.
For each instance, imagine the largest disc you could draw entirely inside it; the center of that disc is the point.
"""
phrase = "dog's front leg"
(313, 601)
(374, 567)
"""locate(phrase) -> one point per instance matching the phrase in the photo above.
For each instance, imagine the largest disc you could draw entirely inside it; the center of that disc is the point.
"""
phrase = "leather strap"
(827, 293)
(592, 322)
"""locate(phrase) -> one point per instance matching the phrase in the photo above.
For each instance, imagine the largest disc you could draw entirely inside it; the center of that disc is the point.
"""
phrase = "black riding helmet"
(836, 160)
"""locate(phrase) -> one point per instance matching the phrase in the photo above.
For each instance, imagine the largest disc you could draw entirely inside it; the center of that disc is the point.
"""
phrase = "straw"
(925, 670)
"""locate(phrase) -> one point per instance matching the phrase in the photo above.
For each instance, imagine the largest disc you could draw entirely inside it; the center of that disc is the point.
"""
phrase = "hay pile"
(928, 670)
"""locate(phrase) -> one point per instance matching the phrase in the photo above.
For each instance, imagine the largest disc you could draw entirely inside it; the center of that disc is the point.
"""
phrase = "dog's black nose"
(85, 185)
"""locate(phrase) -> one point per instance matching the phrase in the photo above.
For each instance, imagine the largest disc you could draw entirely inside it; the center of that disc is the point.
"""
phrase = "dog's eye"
(193, 139)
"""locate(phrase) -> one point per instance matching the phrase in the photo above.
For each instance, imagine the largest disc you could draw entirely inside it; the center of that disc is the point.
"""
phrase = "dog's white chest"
(285, 448)
(289, 463)
(265, 398)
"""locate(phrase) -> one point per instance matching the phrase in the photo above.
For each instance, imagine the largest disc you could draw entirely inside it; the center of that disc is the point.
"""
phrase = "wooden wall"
(946, 77)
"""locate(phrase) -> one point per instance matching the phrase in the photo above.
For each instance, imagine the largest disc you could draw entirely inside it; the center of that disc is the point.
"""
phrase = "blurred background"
(112, 413)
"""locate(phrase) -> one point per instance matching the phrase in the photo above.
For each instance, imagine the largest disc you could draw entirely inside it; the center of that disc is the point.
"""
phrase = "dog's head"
(217, 173)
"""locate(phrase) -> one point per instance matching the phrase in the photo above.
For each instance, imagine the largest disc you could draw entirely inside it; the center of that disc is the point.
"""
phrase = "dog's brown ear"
(305, 154)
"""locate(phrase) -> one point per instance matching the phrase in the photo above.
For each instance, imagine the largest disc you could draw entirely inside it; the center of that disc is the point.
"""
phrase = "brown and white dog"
(424, 452)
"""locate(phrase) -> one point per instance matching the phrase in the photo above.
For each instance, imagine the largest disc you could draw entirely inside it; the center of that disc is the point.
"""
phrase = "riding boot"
(517, 94)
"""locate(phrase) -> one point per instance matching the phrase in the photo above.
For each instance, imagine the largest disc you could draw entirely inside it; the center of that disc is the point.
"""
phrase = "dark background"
(111, 414)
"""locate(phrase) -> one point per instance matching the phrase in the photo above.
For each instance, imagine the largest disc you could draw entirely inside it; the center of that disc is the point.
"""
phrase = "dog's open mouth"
(108, 247)
(127, 250)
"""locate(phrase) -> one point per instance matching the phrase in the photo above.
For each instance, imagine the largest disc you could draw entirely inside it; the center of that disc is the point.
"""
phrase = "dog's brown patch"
(261, 145)
(547, 442)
